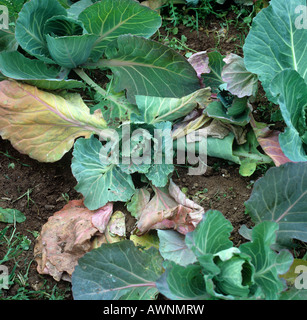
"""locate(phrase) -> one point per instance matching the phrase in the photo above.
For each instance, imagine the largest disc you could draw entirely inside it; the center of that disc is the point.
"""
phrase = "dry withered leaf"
(170, 209)
(269, 141)
(67, 236)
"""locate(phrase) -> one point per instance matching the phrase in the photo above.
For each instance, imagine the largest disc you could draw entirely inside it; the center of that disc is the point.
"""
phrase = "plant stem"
(90, 82)
(97, 88)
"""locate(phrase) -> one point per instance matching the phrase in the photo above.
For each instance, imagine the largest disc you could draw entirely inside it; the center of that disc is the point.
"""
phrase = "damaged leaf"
(200, 63)
(170, 209)
(214, 78)
(193, 121)
(269, 141)
(67, 236)
(240, 82)
(116, 228)
(138, 202)
(146, 240)
(158, 109)
(41, 124)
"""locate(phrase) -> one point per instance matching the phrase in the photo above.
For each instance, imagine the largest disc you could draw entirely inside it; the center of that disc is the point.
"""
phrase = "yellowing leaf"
(41, 124)
(116, 229)
(146, 240)
(296, 268)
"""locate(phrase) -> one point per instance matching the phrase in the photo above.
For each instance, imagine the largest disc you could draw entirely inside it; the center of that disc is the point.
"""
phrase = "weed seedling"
(6, 154)
(65, 196)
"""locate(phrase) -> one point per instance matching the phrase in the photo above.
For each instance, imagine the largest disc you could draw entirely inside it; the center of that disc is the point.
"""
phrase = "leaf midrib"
(61, 115)
(121, 63)
(105, 35)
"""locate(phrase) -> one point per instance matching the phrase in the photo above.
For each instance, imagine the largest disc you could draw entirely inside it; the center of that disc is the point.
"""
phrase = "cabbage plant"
(95, 34)
(275, 50)
(54, 49)
(215, 268)
(51, 52)
(204, 264)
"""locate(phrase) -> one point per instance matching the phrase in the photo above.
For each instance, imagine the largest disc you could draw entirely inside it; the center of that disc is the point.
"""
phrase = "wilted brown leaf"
(170, 209)
(269, 141)
(67, 236)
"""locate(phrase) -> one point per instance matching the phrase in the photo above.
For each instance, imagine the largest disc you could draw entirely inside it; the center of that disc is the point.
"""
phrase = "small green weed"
(6, 154)
(269, 112)
(173, 42)
(196, 16)
(15, 247)
(14, 242)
